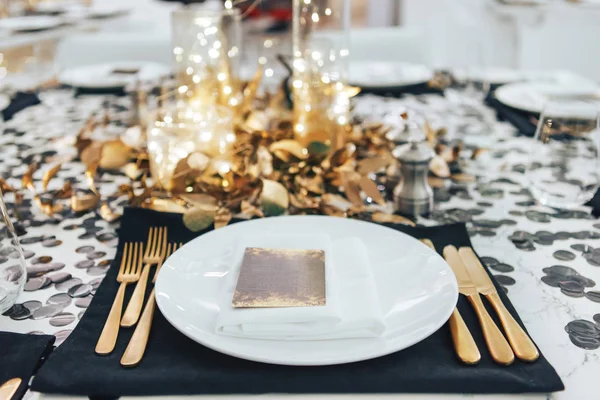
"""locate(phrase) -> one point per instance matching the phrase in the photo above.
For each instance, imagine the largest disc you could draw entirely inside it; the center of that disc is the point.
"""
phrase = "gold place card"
(281, 278)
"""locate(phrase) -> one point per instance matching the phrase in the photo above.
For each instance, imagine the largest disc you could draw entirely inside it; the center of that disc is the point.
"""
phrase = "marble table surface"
(529, 247)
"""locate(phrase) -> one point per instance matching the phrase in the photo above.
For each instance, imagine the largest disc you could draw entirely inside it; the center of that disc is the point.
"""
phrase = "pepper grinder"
(413, 196)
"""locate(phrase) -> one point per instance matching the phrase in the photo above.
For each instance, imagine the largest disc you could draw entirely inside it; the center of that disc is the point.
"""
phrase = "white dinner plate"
(417, 291)
(30, 23)
(386, 75)
(532, 96)
(112, 75)
(105, 11)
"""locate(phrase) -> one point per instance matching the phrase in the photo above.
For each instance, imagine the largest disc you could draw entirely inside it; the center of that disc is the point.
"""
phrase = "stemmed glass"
(12, 262)
(564, 168)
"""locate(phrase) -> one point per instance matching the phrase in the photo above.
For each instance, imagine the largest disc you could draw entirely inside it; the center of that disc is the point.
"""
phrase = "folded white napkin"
(352, 307)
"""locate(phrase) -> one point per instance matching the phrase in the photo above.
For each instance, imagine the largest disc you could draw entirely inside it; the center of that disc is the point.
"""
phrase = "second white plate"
(383, 75)
(417, 291)
(112, 75)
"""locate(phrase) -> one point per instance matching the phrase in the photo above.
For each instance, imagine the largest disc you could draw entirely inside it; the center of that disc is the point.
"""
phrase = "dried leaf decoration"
(49, 175)
(198, 219)
(5, 187)
(370, 189)
(439, 167)
(108, 214)
(114, 154)
(222, 217)
(27, 180)
(84, 202)
(351, 188)
(284, 147)
(463, 178)
(274, 198)
(90, 176)
(92, 153)
(391, 218)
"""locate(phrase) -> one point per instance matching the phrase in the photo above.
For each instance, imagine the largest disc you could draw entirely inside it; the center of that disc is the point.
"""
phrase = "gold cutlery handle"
(519, 340)
(132, 312)
(465, 346)
(9, 388)
(108, 337)
(137, 345)
(497, 344)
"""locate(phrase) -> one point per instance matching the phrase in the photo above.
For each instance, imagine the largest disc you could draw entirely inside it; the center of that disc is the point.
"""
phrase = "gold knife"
(464, 344)
(9, 388)
(520, 342)
(496, 343)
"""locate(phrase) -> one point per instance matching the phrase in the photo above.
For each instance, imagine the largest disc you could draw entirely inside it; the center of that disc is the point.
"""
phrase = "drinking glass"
(12, 262)
(180, 130)
(564, 169)
(470, 84)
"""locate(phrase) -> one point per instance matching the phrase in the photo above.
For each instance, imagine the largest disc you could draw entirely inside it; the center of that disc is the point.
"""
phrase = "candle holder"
(320, 46)
(179, 130)
(207, 50)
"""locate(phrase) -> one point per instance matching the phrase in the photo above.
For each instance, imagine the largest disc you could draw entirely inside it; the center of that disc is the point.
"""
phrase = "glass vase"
(12, 263)
(320, 51)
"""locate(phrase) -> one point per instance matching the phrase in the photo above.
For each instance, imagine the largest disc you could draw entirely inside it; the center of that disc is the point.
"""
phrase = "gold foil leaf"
(478, 152)
(90, 176)
(340, 156)
(250, 210)
(337, 201)
(49, 175)
(391, 218)
(84, 202)
(370, 189)
(351, 188)
(351, 91)
(27, 180)
(92, 153)
(114, 154)
(222, 217)
(5, 186)
(108, 214)
(303, 202)
(197, 219)
(166, 205)
(463, 177)
(132, 171)
(436, 182)
(64, 192)
(439, 167)
(265, 161)
(274, 198)
(289, 146)
(47, 206)
(374, 164)
(200, 200)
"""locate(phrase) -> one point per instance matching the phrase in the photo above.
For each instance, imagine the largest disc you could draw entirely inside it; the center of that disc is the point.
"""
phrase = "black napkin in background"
(116, 91)
(20, 101)
(20, 356)
(420, 88)
(175, 365)
(518, 118)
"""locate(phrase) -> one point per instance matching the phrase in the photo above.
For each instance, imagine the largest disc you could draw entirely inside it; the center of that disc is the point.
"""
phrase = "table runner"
(174, 364)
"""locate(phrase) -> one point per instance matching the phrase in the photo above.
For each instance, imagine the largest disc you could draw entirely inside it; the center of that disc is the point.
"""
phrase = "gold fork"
(156, 245)
(137, 345)
(129, 272)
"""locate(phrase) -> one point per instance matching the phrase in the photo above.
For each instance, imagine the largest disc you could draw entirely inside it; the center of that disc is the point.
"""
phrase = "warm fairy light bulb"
(182, 89)
(315, 17)
(297, 83)
(177, 50)
(222, 76)
(269, 72)
(228, 4)
(328, 11)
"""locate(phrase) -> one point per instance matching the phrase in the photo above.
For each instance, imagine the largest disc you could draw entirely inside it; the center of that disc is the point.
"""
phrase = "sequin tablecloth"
(530, 248)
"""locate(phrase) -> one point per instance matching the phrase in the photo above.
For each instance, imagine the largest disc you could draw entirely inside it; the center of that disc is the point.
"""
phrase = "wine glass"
(12, 262)
(564, 168)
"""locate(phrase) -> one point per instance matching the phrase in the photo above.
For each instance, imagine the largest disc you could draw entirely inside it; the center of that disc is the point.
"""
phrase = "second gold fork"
(156, 248)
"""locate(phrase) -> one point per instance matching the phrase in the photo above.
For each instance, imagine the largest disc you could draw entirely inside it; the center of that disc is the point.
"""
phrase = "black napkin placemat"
(174, 364)
(19, 102)
(518, 118)
(420, 88)
(20, 356)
